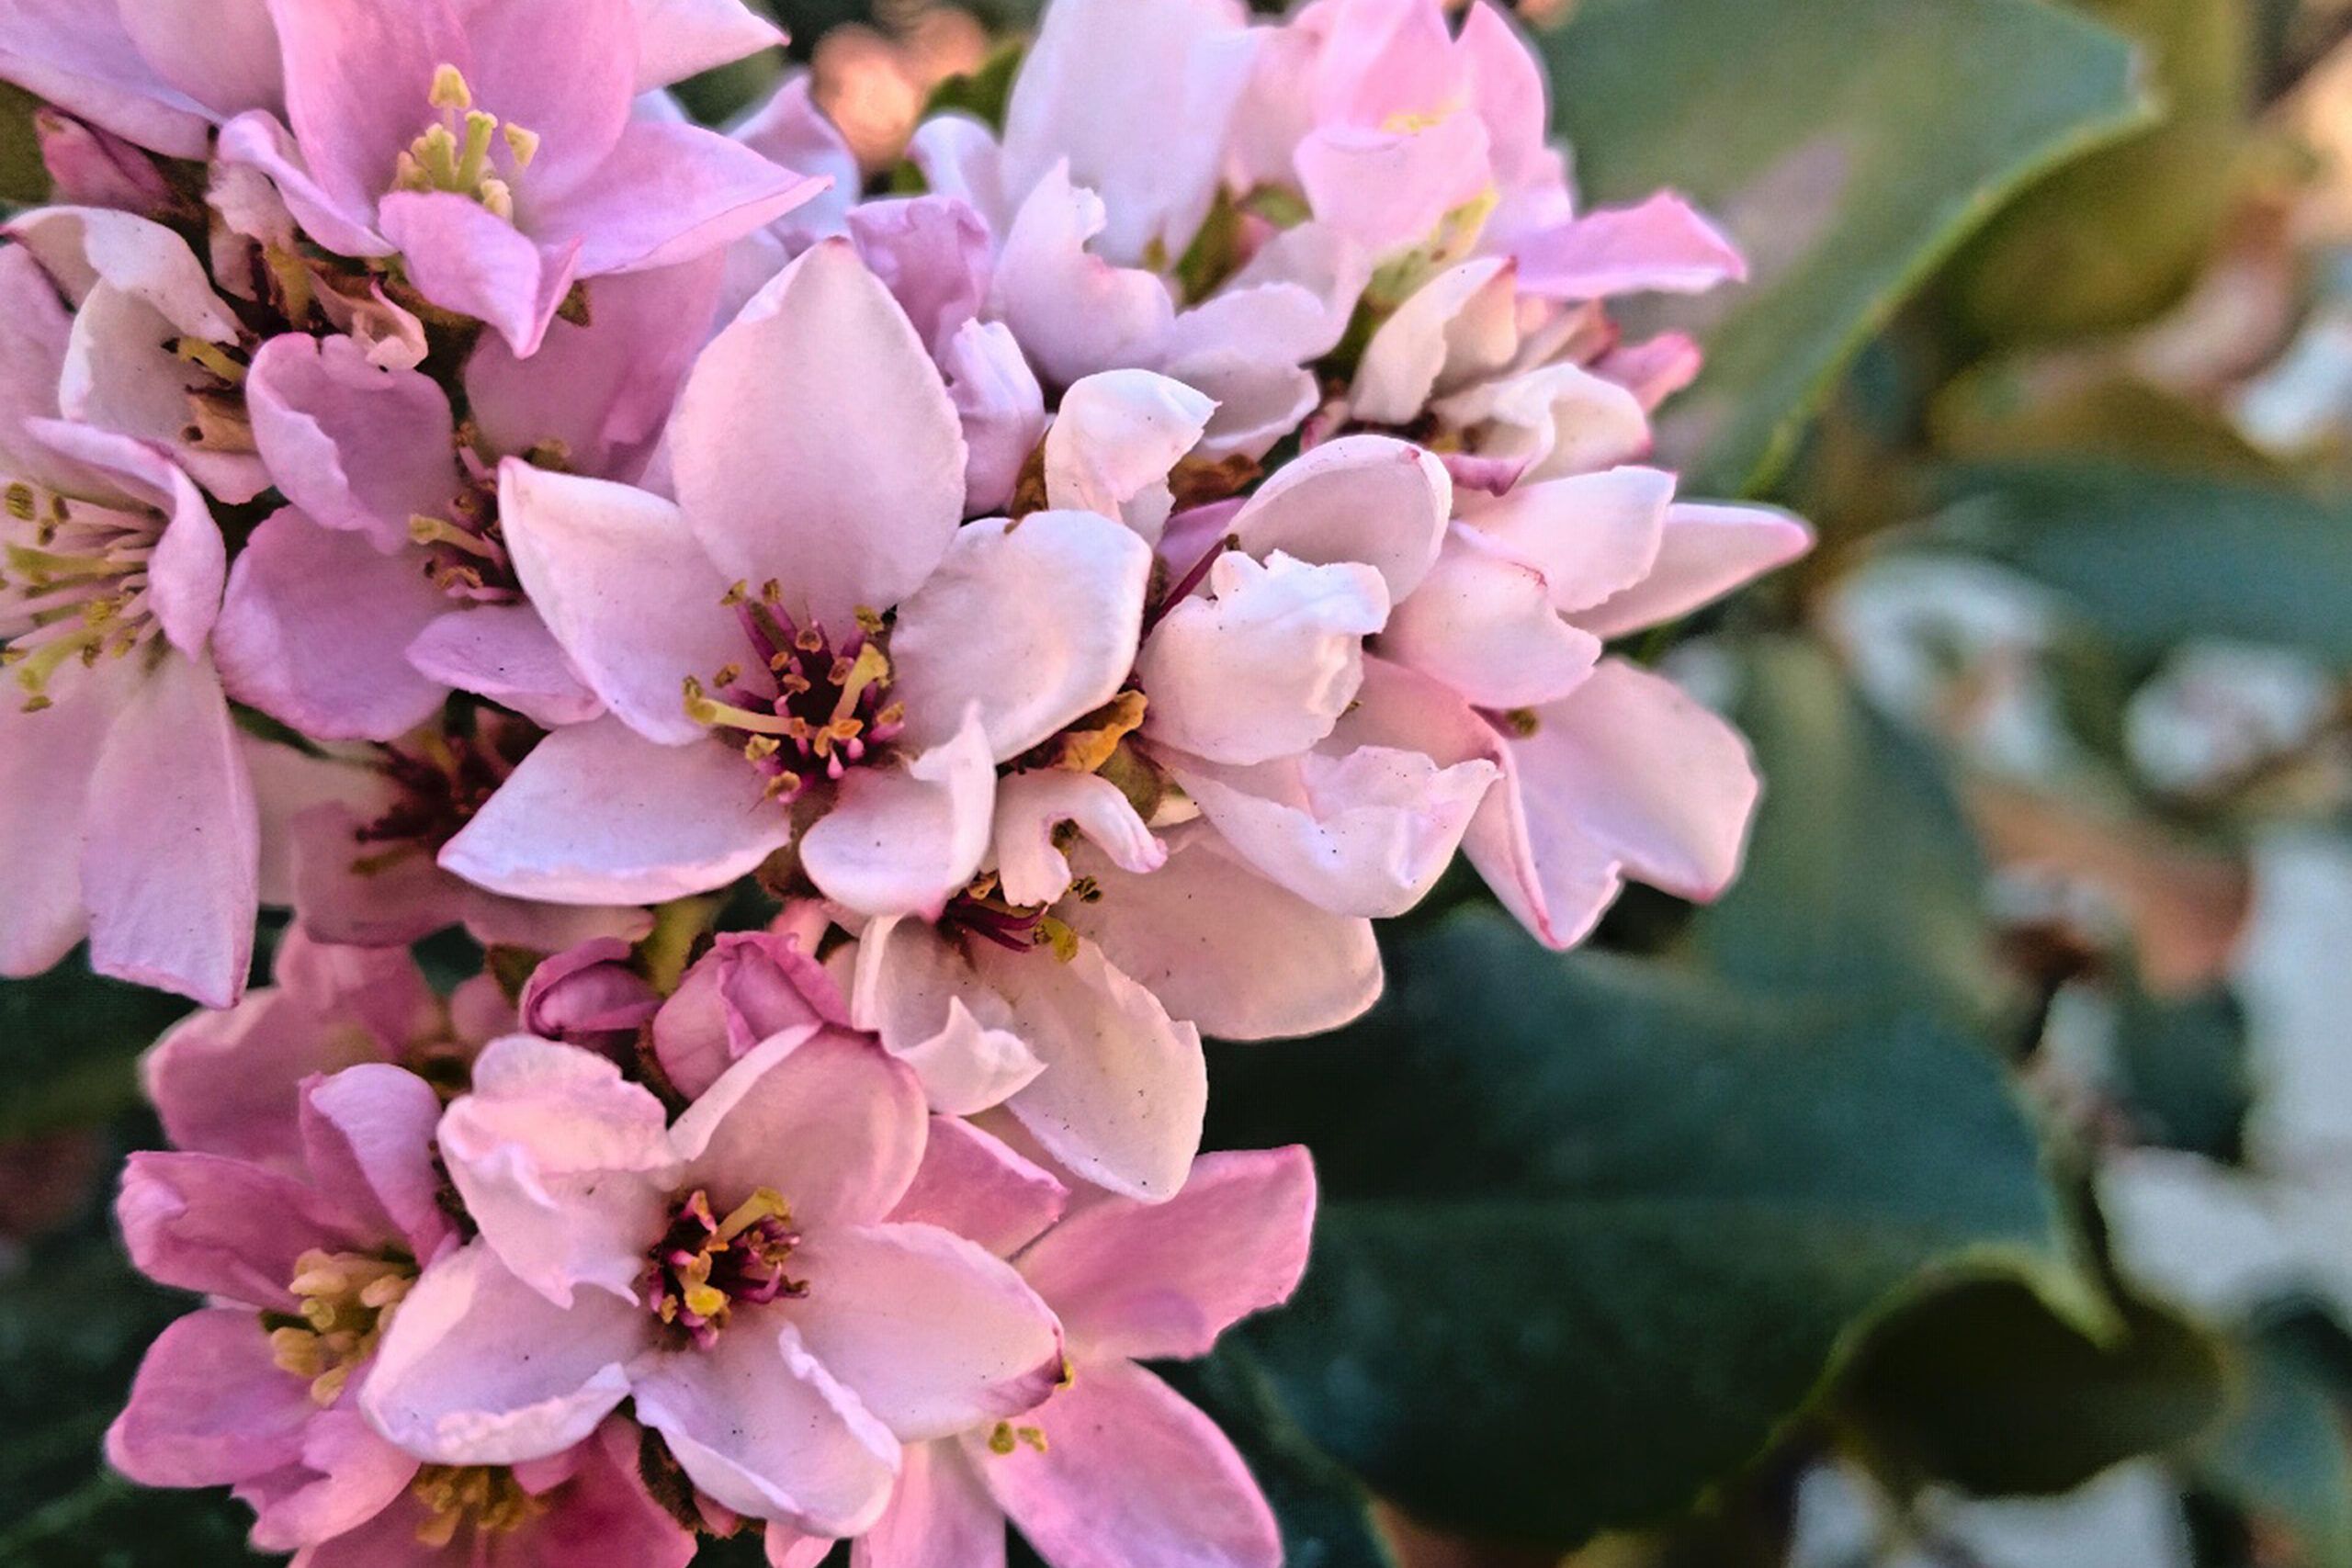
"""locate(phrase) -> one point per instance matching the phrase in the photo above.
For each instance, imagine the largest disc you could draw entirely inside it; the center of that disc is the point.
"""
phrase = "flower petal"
(597, 813)
(934, 1334)
(463, 257)
(914, 990)
(209, 1407)
(1236, 954)
(1115, 436)
(478, 1367)
(617, 577)
(565, 1166)
(1483, 623)
(814, 444)
(668, 194)
(1592, 535)
(1662, 246)
(355, 447)
(367, 1140)
(1361, 498)
(1130, 1473)
(940, 1517)
(1075, 312)
(972, 1184)
(901, 840)
(1030, 809)
(220, 1226)
(1460, 325)
(1149, 1281)
(832, 1121)
(316, 628)
(1703, 554)
(1034, 624)
(505, 653)
(1001, 407)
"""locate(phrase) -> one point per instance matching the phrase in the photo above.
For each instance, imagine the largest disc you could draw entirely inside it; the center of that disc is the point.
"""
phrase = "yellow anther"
(523, 144)
(449, 89)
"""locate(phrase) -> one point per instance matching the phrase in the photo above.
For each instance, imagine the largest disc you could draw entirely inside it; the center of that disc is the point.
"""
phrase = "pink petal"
(220, 1226)
(1131, 1472)
(1124, 1087)
(758, 1423)
(567, 69)
(505, 653)
(1152, 148)
(940, 1517)
(1075, 312)
(1559, 420)
(901, 840)
(816, 445)
(1631, 764)
(932, 253)
(346, 1476)
(603, 1516)
(668, 194)
(1457, 327)
(367, 1137)
(209, 1407)
(749, 987)
(596, 814)
(1265, 665)
(358, 83)
(1001, 407)
(833, 1122)
(934, 1334)
(223, 53)
(1151, 1281)
(678, 39)
(622, 589)
(464, 258)
(227, 1083)
(1361, 498)
(355, 447)
(344, 896)
(1236, 954)
(173, 881)
(1386, 190)
(915, 989)
(566, 1167)
(602, 392)
(87, 248)
(792, 131)
(339, 214)
(78, 55)
(315, 632)
(1483, 623)
(190, 565)
(1115, 437)
(1032, 807)
(478, 1367)
(1704, 553)
(1365, 832)
(1032, 623)
(972, 1184)
(1592, 535)
(46, 762)
(1661, 246)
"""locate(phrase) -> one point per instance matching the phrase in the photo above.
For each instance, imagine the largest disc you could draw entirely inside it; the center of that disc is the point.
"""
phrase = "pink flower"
(304, 1267)
(591, 997)
(734, 1273)
(820, 468)
(230, 1082)
(1115, 1468)
(491, 147)
(132, 817)
(586, 1507)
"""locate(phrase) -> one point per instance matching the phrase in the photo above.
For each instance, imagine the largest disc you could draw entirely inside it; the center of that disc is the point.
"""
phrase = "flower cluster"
(1067, 598)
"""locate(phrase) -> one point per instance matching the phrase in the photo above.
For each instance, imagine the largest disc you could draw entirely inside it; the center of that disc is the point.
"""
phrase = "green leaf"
(1324, 1511)
(1592, 1229)
(70, 1043)
(1891, 902)
(1849, 145)
(2282, 1456)
(23, 175)
(1986, 1388)
(2183, 1069)
(2156, 558)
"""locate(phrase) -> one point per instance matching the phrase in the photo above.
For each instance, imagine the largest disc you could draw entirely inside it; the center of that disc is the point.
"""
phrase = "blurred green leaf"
(2183, 1065)
(1864, 881)
(2156, 559)
(1592, 1229)
(23, 175)
(70, 1043)
(1325, 1512)
(2282, 1456)
(1986, 1388)
(1848, 145)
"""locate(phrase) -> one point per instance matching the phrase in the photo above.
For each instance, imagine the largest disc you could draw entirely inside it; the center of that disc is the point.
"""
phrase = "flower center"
(73, 590)
(703, 1267)
(347, 1300)
(455, 154)
(441, 784)
(831, 709)
(486, 1496)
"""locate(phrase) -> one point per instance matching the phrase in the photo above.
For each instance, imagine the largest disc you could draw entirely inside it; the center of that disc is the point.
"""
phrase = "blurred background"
(1972, 1187)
